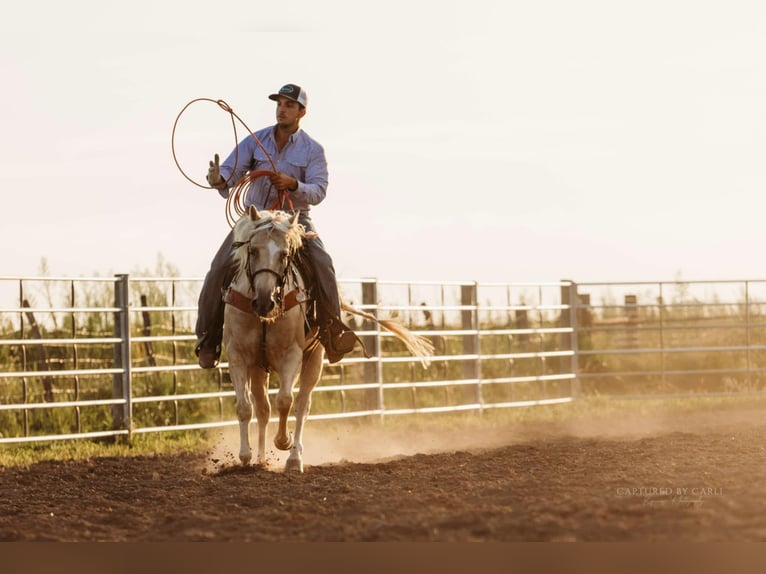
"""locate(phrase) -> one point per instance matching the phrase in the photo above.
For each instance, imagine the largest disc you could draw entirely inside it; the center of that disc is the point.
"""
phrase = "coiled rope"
(235, 202)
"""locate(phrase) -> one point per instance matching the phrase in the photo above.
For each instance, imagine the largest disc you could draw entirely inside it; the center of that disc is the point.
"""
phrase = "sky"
(490, 141)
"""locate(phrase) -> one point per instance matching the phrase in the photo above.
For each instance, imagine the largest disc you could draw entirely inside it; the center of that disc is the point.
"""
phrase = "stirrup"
(336, 340)
(343, 342)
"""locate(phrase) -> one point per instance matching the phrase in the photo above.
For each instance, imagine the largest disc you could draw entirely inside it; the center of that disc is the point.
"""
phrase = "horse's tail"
(417, 345)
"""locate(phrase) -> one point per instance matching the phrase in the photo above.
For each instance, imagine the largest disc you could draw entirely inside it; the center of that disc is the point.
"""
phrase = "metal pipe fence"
(672, 339)
(113, 357)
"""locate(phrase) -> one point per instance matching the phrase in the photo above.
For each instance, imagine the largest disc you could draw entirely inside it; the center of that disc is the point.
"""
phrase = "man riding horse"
(300, 179)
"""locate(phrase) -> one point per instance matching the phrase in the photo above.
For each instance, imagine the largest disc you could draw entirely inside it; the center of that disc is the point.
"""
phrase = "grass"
(141, 445)
(584, 409)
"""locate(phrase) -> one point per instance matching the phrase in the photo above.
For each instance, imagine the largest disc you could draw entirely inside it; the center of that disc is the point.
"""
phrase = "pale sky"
(492, 141)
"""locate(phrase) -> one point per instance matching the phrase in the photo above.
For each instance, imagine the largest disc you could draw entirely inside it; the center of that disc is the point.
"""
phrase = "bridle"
(282, 276)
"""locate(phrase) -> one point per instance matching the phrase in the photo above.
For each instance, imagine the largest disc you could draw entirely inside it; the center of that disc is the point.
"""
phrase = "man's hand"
(284, 182)
(214, 173)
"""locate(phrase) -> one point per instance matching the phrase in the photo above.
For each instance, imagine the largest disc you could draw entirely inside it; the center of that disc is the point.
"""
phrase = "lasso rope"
(235, 202)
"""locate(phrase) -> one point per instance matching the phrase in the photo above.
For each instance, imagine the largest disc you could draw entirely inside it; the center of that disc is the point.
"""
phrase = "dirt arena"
(691, 476)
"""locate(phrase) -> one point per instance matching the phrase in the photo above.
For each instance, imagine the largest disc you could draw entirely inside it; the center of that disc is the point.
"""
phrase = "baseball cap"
(291, 92)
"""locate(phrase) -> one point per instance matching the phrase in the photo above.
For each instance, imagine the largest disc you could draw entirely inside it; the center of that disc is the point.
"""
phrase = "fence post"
(122, 415)
(372, 370)
(521, 318)
(631, 320)
(470, 322)
(574, 319)
(147, 332)
(569, 341)
(42, 356)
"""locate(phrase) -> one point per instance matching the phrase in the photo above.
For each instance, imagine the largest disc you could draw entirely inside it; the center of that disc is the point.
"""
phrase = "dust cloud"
(335, 442)
(344, 442)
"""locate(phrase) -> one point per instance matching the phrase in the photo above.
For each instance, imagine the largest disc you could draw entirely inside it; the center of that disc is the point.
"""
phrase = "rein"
(235, 203)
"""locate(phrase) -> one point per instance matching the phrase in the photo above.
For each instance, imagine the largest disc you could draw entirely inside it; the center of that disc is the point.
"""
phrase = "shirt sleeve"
(236, 165)
(314, 187)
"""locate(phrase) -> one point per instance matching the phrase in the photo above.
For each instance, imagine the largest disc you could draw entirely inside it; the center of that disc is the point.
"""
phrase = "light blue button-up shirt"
(302, 158)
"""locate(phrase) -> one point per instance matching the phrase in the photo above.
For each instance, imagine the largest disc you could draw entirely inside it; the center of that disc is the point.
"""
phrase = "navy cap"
(291, 92)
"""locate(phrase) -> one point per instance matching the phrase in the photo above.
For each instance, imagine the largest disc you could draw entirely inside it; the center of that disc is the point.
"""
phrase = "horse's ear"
(295, 217)
(255, 215)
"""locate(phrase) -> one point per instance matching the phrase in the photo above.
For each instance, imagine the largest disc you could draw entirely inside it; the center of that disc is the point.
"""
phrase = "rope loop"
(235, 202)
(224, 106)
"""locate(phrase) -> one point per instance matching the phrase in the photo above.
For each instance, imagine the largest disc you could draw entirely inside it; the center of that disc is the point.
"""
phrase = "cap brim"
(276, 97)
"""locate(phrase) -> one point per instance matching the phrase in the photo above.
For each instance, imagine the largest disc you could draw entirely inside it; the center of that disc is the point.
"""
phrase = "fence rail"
(98, 357)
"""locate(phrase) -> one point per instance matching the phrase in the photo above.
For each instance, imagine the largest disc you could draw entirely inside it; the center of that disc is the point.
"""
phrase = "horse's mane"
(270, 221)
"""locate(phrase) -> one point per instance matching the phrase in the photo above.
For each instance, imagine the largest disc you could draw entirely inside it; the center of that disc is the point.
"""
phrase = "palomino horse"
(265, 328)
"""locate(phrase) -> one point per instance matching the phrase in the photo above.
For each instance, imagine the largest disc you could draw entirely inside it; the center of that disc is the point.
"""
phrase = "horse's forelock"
(294, 236)
(273, 220)
(293, 232)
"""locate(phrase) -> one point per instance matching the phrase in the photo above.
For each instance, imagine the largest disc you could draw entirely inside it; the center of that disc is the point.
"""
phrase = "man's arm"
(314, 189)
(231, 170)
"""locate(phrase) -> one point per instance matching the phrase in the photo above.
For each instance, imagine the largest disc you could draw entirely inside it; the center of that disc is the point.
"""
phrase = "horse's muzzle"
(263, 310)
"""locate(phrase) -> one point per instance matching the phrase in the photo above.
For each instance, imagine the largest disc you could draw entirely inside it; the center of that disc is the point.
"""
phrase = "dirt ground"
(690, 477)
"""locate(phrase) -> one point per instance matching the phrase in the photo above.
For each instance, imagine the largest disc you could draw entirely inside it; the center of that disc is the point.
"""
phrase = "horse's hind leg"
(260, 380)
(312, 370)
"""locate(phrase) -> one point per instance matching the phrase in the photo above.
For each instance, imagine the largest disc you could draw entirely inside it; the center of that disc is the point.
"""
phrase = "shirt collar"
(293, 136)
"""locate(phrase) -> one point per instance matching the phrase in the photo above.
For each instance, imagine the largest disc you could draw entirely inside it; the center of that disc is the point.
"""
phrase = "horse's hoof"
(294, 465)
(285, 444)
(245, 459)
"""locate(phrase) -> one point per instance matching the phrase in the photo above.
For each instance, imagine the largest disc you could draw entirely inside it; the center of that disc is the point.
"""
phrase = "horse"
(266, 326)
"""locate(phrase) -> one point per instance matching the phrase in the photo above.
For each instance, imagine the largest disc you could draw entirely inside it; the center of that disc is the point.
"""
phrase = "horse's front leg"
(288, 373)
(241, 381)
(260, 383)
(310, 373)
